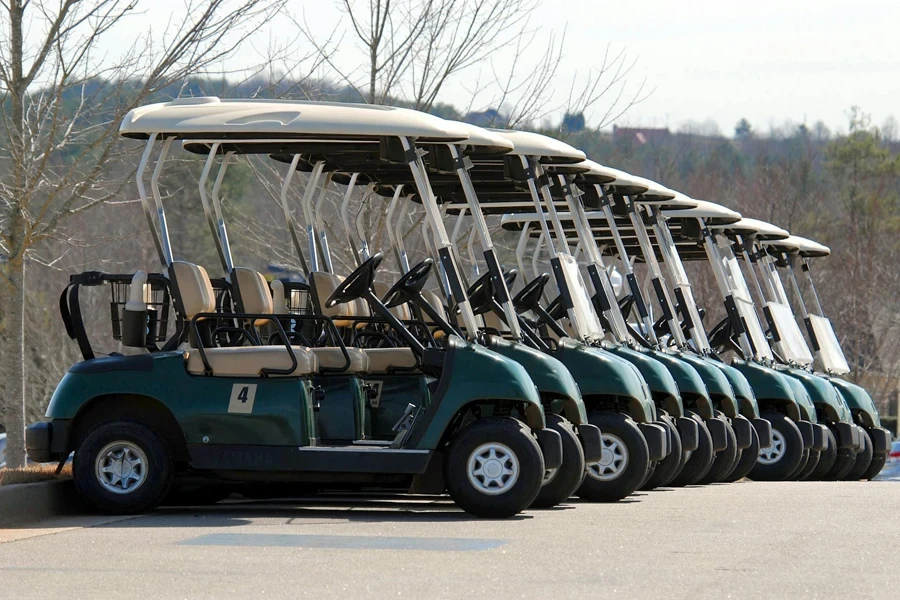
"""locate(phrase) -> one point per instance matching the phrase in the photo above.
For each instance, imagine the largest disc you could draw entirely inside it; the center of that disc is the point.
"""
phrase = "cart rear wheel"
(780, 460)
(862, 462)
(561, 483)
(494, 468)
(625, 461)
(122, 467)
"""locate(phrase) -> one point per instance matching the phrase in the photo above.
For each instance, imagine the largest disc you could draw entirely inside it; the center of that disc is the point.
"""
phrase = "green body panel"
(476, 373)
(823, 395)
(281, 414)
(859, 401)
(549, 375)
(690, 385)
(770, 386)
(397, 391)
(658, 378)
(716, 383)
(742, 390)
(807, 408)
(600, 373)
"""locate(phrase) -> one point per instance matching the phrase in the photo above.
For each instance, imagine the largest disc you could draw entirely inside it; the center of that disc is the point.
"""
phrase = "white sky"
(769, 61)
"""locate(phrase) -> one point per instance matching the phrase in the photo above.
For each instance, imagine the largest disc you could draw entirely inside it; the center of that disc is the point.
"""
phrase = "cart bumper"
(689, 431)
(657, 437)
(590, 442)
(551, 446)
(764, 432)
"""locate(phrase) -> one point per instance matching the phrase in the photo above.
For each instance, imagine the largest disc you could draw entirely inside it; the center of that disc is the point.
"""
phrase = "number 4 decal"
(242, 397)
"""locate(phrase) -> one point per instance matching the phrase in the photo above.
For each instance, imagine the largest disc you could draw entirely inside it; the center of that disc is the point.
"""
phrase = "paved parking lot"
(744, 540)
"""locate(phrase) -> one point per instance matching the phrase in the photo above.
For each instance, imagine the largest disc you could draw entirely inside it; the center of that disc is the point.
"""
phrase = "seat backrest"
(254, 290)
(323, 285)
(492, 321)
(402, 311)
(194, 287)
(435, 301)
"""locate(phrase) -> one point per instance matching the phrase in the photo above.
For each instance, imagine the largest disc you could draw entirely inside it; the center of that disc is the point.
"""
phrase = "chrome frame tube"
(145, 202)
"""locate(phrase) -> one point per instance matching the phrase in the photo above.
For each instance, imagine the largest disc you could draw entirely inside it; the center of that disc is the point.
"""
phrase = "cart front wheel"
(494, 468)
(122, 467)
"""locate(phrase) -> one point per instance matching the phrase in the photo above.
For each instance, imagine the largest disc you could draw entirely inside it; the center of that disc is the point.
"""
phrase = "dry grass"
(33, 474)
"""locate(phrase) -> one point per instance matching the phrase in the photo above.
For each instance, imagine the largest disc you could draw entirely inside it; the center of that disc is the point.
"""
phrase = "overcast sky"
(769, 61)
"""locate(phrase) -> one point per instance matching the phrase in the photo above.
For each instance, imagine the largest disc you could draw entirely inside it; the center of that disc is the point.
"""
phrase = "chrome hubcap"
(493, 469)
(121, 467)
(613, 461)
(772, 454)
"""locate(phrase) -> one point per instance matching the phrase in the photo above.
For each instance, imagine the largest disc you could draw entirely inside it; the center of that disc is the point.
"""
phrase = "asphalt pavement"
(744, 540)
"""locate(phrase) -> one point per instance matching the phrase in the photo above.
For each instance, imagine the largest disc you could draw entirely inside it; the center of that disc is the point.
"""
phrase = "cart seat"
(249, 361)
(382, 360)
(197, 296)
(333, 358)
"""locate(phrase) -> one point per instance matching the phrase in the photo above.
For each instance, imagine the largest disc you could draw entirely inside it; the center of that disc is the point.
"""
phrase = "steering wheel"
(555, 309)
(510, 278)
(625, 305)
(661, 327)
(530, 295)
(357, 284)
(408, 286)
(480, 294)
(721, 333)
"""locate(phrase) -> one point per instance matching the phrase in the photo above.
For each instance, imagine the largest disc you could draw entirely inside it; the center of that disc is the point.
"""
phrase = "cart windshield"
(830, 352)
(742, 299)
(790, 339)
(587, 323)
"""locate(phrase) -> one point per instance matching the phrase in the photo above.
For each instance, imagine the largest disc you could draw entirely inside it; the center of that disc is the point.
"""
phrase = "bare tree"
(58, 133)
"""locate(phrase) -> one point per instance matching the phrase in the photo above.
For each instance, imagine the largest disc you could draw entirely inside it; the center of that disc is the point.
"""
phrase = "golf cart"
(858, 404)
(195, 402)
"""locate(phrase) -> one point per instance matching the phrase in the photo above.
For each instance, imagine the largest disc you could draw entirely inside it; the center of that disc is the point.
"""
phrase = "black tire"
(667, 468)
(844, 461)
(863, 459)
(725, 460)
(746, 460)
(826, 458)
(525, 454)
(700, 460)
(567, 478)
(875, 467)
(785, 462)
(630, 465)
(155, 468)
(811, 464)
(197, 495)
(804, 460)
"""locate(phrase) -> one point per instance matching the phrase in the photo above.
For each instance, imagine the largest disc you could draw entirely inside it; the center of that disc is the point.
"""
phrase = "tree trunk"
(12, 362)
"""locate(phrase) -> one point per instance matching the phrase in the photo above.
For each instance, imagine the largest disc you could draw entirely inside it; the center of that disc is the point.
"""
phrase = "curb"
(29, 502)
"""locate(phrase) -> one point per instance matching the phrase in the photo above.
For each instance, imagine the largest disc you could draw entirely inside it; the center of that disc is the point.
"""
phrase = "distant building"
(639, 135)
(486, 118)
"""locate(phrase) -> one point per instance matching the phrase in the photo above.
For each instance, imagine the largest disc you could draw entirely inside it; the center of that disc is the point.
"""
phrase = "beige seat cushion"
(382, 360)
(333, 358)
(248, 361)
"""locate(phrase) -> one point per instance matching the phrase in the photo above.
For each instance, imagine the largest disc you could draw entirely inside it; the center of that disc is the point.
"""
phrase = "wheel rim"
(772, 454)
(121, 467)
(613, 461)
(493, 469)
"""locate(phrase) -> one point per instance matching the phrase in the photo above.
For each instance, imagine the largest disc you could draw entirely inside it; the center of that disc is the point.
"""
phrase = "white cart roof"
(535, 144)
(626, 183)
(484, 139)
(760, 229)
(215, 117)
(707, 210)
(806, 247)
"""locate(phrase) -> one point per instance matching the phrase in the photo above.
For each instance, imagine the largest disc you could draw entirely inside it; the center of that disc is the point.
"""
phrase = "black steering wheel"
(555, 309)
(530, 295)
(510, 278)
(408, 287)
(357, 284)
(721, 333)
(480, 294)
